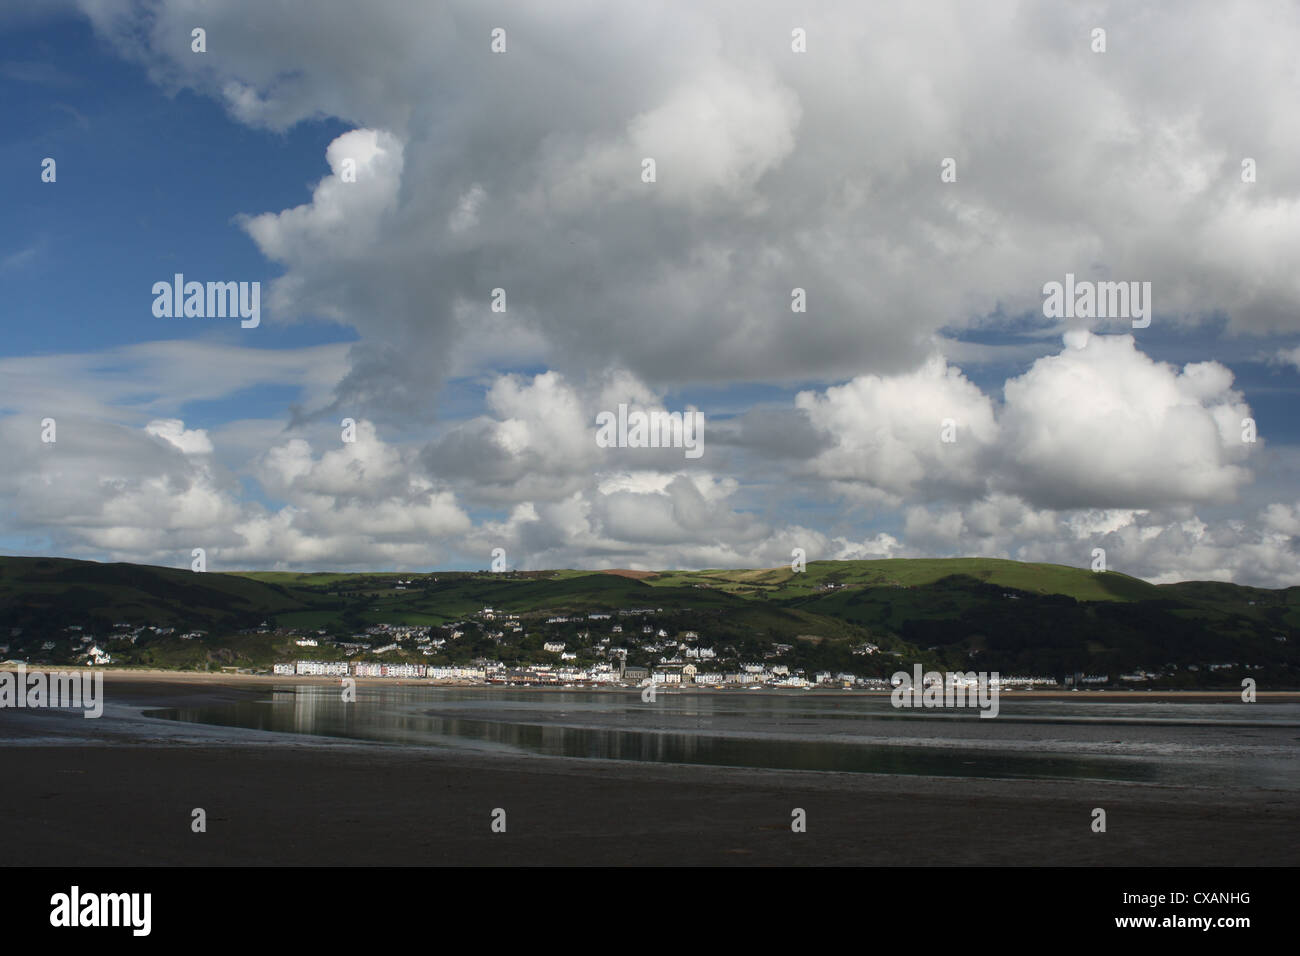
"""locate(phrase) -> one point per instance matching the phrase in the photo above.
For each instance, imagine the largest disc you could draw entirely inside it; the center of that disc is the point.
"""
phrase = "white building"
(456, 673)
(370, 669)
(322, 668)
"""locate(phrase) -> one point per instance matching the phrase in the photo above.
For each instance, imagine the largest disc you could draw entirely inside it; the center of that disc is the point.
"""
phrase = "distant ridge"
(986, 613)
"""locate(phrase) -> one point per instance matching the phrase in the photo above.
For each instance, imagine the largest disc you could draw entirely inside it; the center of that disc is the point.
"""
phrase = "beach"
(121, 790)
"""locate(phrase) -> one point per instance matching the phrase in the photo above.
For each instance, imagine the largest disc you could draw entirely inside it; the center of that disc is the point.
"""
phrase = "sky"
(827, 229)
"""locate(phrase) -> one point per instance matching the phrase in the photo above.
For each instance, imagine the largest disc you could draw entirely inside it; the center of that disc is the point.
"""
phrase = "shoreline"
(114, 674)
(275, 798)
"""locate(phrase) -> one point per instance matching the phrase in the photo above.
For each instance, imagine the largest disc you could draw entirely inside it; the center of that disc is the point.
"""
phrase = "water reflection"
(764, 731)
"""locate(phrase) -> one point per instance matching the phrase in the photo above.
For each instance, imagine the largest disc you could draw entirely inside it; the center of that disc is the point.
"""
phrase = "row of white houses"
(370, 669)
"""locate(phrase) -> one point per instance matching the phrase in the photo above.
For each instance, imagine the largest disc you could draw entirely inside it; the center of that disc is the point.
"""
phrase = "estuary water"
(1177, 743)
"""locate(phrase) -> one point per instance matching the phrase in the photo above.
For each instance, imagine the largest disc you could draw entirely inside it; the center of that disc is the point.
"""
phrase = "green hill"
(1078, 583)
(965, 612)
(54, 592)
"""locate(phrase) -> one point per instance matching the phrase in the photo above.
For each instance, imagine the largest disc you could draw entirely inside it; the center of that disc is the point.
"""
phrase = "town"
(630, 647)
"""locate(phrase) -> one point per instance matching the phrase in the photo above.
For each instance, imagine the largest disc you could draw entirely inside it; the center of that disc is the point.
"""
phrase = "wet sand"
(120, 790)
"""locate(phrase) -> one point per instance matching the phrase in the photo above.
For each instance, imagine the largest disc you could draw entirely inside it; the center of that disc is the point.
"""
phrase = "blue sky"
(147, 183)
(522, 171)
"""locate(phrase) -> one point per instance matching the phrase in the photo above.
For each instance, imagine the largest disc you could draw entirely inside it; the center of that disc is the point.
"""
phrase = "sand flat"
(120, 790)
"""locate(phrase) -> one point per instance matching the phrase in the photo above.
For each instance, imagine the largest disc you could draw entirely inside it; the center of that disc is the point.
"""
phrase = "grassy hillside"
(53, 592)
(1078, 583)
(966, 612)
